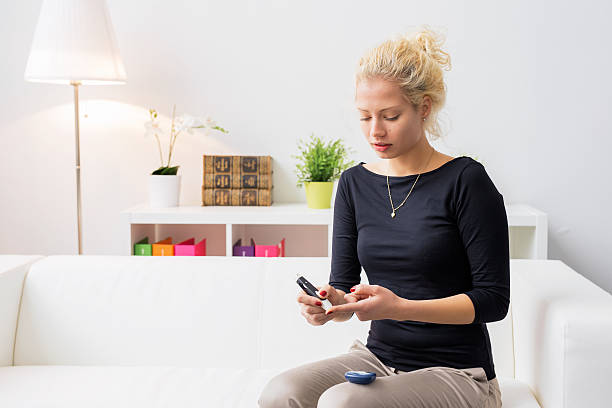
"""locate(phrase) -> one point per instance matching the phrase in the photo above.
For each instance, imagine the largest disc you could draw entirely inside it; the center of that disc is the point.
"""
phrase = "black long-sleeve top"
(449, 237)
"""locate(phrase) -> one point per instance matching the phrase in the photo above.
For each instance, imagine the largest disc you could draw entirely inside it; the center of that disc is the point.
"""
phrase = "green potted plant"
(164, 183)
(320, 164)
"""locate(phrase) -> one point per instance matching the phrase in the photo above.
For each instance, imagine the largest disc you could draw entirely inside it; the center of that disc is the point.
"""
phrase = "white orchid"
(186, 122)
(182, 123)
(152, 128)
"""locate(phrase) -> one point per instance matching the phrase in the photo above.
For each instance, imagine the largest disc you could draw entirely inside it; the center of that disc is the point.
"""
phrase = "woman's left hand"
(370, 302)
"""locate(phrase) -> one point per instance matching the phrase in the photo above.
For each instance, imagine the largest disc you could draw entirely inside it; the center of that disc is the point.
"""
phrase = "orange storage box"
(163, 247)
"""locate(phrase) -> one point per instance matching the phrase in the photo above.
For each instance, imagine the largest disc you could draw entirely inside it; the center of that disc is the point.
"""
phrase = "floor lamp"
(74, 44)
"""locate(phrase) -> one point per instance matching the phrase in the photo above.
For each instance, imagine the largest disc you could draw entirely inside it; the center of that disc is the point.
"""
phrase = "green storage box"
(143, 248)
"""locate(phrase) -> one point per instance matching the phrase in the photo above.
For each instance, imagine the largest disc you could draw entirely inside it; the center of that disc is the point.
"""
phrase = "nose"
(376, 128)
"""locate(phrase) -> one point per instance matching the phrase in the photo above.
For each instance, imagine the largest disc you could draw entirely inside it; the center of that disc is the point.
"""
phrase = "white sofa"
(114, 331)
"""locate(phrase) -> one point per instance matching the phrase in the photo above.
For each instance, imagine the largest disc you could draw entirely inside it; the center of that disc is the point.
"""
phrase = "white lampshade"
(75, 41)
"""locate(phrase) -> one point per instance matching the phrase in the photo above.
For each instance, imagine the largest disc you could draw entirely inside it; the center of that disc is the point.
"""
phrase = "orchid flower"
(181, 123)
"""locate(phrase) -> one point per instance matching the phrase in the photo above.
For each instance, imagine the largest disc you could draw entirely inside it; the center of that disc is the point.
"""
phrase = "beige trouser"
(322, 384)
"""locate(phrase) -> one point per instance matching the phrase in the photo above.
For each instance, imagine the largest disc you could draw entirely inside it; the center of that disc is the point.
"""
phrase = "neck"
(412, 162)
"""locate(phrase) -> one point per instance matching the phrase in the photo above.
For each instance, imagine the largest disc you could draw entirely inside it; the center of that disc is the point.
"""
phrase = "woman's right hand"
(312, 310)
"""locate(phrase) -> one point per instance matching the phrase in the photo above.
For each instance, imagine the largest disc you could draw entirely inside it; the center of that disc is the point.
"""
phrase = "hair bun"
(430, 43)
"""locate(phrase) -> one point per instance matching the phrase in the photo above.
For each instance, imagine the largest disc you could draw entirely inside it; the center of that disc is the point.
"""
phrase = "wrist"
(405, 309)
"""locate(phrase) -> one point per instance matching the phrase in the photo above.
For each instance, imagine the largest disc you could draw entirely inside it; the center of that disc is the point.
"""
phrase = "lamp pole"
(77, 150)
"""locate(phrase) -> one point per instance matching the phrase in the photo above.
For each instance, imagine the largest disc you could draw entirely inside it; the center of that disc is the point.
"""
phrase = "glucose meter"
(360, 377)
(312, 291)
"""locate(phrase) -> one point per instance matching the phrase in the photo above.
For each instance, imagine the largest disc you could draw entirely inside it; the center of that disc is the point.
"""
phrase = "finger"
(363, 289)
(350, 298)
(325, 290)
(308, 300)
(321, 318)
(332, 294)
(316, 319)
(347, 307)
(312, 310)
(355, 297)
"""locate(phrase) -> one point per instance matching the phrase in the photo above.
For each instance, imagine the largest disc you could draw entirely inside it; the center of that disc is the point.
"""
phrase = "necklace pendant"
(393, 214)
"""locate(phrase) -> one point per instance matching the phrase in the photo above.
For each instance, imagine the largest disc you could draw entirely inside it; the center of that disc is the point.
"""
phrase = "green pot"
(318, 193)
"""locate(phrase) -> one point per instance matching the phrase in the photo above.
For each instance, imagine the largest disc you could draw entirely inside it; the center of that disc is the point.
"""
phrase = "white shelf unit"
(308, 232)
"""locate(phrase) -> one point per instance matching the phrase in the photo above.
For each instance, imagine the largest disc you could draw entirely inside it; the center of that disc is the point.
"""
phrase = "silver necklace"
(413, 184)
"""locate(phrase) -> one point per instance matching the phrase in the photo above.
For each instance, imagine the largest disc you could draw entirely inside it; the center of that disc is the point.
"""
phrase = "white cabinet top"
(277, 213)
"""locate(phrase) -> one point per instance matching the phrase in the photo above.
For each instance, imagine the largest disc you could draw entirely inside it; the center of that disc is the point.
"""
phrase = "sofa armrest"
(13, 269)
(562, 326)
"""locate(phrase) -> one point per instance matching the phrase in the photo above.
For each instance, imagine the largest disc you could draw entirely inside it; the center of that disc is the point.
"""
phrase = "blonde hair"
(415, 62)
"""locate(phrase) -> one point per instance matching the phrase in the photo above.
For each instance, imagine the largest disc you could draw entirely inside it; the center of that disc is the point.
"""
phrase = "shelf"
(288, 213)
(308, 231)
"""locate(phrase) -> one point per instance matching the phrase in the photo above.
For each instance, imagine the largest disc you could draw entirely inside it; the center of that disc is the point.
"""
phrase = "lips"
(381, 147)
(382, 144)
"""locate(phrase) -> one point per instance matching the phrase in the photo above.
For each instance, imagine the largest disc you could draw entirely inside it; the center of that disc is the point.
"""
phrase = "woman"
(431, 232)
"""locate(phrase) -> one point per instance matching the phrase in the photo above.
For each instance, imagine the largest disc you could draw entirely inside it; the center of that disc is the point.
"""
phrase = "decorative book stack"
(237, 180)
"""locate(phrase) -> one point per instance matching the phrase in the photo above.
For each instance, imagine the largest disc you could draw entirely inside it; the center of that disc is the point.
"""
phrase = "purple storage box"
(240, 250)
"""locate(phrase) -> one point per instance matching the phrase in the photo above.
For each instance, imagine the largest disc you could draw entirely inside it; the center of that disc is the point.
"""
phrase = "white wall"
(529, 94)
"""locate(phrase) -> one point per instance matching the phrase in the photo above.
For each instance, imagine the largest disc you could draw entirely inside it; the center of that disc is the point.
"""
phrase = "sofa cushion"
(158, 386)
(118, 310)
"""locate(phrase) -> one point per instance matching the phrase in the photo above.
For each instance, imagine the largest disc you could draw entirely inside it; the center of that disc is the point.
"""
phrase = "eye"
(393, 118)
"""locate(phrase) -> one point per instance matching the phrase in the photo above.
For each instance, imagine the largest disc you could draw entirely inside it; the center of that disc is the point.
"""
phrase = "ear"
(426, 106)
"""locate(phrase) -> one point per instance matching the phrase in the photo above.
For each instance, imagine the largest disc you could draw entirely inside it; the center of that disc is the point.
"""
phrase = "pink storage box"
(189, 248)
(270, 250)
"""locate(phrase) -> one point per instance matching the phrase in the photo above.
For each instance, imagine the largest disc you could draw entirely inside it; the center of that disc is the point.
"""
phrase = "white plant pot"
(164, 190)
